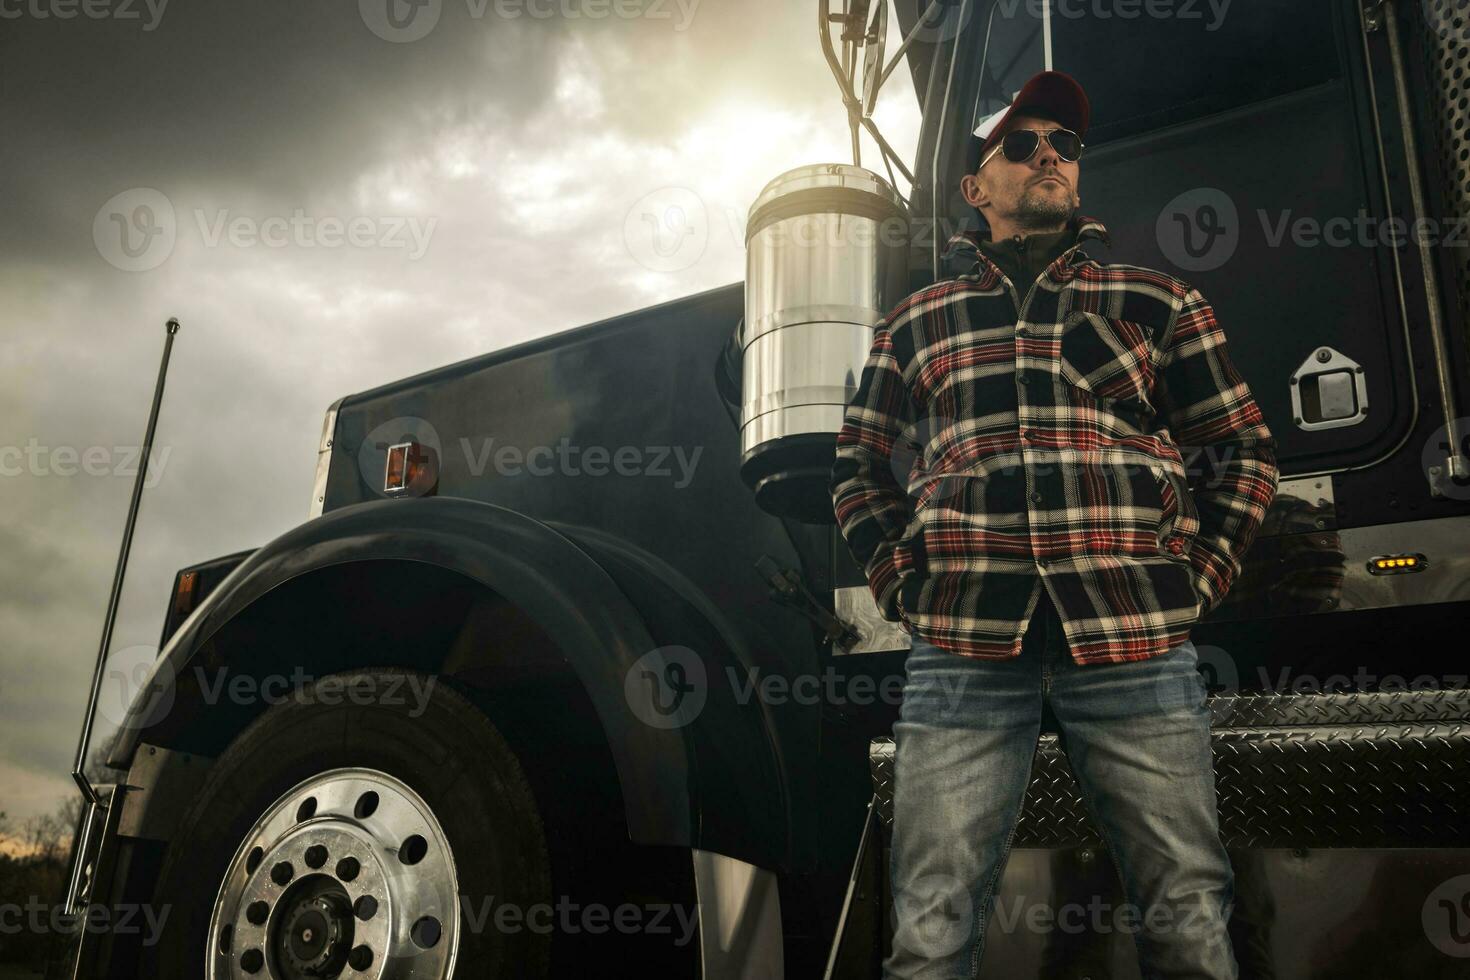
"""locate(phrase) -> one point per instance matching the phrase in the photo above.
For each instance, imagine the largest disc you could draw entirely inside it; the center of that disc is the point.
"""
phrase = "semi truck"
(570, 668)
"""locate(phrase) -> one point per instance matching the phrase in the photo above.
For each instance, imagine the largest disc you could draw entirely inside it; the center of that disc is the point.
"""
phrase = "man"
(1049, 552)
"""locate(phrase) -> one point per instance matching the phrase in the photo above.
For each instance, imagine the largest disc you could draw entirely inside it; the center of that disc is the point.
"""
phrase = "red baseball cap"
(1054, 92)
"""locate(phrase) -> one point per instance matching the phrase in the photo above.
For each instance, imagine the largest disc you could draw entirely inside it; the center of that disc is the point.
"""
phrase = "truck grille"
(1445, 33)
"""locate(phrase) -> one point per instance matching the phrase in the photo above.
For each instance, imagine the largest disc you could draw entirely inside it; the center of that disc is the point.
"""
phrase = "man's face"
(1040, 192)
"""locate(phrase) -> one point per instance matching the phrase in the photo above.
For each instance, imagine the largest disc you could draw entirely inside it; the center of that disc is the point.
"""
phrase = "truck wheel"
(358, 837)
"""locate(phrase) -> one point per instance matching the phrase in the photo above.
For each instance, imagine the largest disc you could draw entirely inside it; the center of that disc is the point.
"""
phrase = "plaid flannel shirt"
(998, 444)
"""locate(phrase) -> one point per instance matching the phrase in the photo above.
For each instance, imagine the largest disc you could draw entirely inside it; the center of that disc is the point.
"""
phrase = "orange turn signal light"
(412, 469)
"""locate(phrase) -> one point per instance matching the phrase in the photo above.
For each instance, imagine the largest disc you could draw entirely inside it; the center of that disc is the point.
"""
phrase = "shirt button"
(1024, 378)
(1041, 562)
(1176, 545)
(1028, 436)
(1036, 496)
(1022, 332)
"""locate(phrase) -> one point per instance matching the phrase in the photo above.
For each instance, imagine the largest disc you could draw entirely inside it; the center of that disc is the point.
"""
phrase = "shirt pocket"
(1108, 357)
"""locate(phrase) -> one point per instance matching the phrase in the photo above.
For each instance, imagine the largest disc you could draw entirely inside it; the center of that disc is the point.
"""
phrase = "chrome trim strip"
(324, 459)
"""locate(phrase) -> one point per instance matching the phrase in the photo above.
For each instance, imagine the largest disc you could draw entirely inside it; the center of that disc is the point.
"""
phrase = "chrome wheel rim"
(346, 875)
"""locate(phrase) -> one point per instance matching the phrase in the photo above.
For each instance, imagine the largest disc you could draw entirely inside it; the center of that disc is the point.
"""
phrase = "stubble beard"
(1038, 209)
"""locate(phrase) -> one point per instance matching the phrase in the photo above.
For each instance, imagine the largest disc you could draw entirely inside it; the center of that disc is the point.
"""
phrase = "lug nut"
(316, 856)
(360, 958)
(257, 913)
(282, 873)
(347, 868)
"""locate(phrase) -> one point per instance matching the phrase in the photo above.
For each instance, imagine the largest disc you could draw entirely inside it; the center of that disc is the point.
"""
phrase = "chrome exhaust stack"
(826, 259)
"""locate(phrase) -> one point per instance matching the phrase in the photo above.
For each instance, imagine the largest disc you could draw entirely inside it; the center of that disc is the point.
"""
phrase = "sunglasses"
(1020, 145)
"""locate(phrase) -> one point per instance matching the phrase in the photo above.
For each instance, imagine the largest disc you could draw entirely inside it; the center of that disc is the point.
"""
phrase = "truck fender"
(552, 580)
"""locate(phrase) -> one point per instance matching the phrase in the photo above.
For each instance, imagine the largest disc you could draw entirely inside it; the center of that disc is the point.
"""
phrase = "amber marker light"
(410, 465)
(1397, 564)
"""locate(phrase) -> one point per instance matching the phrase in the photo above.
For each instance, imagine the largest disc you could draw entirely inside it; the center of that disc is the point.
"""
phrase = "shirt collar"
(963, 249)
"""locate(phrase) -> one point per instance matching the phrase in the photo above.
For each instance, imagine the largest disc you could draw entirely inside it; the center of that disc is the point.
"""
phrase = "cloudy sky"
(328, 199)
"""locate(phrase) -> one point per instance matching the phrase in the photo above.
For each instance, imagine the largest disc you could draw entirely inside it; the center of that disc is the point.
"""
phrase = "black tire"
(449, 754)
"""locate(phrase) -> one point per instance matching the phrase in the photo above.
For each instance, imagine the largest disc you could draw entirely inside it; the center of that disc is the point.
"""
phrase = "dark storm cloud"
(528, 140)
(268, 97)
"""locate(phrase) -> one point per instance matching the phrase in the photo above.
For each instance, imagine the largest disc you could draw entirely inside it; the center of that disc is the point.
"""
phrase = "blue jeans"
(1137, 736)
